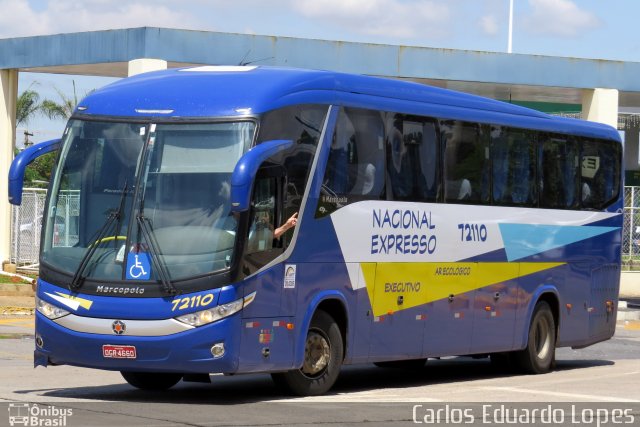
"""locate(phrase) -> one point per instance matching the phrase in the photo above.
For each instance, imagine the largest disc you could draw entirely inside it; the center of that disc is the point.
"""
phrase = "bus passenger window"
(466, 162)
(558, 174)
(514, 167)
(412, 160)
(600, 173)
(355, 169)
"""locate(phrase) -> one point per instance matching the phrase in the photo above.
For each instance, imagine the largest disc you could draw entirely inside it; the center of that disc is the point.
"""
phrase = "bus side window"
(466, 162)
(412, 158)
(514, 167)
(355, 168)
(600, 173)
(558, 174)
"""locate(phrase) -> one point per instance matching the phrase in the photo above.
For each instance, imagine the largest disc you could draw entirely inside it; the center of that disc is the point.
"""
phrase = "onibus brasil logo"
(32, 414)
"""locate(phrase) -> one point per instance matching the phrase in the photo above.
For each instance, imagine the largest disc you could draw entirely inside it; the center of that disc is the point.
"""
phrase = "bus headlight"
(204, 317)
(49, 310)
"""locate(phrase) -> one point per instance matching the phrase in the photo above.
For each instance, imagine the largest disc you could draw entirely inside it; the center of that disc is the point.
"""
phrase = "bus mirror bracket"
(246, 169)
(20, 163)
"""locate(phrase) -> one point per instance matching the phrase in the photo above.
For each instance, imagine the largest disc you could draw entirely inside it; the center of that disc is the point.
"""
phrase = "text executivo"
(402, 232)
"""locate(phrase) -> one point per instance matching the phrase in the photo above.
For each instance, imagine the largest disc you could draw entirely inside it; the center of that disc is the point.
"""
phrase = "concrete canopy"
(496, 75)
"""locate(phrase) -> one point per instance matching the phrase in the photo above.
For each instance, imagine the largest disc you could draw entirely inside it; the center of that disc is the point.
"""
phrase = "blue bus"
(236, 219)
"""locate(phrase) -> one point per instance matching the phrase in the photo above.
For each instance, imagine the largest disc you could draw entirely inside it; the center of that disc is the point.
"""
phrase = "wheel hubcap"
(316, 354)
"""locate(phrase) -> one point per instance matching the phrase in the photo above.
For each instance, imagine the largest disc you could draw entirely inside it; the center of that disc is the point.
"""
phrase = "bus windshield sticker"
(289, 276)
(120, 254)
(138, 266)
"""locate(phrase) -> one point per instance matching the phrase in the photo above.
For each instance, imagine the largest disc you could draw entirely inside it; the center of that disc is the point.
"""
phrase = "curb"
(627, 314)
(16, 290)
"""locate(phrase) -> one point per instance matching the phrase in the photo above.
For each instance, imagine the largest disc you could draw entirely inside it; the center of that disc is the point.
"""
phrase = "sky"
(600, 29)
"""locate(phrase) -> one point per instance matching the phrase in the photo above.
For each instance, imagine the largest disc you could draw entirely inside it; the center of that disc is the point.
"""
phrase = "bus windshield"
(175, 177)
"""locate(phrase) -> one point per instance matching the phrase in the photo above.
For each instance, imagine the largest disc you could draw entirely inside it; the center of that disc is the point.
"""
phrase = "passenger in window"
(369, 179)
(465, 190)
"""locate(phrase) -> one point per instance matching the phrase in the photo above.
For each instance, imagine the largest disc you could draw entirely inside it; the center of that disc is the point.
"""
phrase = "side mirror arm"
(246, 169)
(20, 163)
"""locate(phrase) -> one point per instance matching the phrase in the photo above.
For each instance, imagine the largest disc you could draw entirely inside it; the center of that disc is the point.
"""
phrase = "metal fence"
(65, 229)
(26, 226)
(631, 227)
(27, 223)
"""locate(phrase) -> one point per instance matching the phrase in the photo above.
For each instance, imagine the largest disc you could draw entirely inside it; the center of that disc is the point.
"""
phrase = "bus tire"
(151, 380)
(539, 355)
(323, 354)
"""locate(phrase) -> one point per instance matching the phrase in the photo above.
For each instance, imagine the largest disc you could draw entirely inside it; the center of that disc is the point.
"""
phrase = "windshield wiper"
(144, 226)
(156, 255)
(114, 214)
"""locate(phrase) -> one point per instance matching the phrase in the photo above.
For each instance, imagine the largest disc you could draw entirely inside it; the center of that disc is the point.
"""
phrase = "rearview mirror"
(245, 171)
(20, 163)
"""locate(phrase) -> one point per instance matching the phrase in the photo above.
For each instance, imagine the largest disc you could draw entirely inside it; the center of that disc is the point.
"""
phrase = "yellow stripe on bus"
(422, 283)
(84, 303)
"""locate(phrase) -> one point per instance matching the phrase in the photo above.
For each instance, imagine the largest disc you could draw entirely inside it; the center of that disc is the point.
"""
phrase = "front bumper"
(183, 352)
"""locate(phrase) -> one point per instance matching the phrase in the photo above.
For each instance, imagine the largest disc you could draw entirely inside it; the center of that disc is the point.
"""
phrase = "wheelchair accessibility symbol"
(138, 266)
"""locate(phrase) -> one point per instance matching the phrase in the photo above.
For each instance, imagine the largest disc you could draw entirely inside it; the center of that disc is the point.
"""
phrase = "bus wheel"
(539, 355)
(151, 380)
(411, 365)
(323, 354)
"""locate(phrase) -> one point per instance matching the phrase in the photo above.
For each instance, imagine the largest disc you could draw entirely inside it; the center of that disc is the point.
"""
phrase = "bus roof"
(228, 91)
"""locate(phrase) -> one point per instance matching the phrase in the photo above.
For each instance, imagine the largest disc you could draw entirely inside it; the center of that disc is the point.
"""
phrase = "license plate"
(119, 351)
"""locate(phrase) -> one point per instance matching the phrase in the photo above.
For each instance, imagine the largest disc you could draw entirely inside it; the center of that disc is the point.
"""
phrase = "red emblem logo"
(118, 327)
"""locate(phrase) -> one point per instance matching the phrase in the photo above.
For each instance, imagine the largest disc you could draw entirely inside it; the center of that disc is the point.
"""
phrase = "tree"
(39, 171)
(62, 110)
(27, 106)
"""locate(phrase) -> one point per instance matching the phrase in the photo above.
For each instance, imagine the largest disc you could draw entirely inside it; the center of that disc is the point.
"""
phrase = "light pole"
(509, 42)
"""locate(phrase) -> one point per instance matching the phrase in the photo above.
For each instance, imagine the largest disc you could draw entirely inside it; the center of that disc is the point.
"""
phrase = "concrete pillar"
(8, 101)
(600, 105)
(631, 148)
(144, 65)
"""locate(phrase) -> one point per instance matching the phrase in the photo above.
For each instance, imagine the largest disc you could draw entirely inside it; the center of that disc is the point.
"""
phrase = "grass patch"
(13, 280)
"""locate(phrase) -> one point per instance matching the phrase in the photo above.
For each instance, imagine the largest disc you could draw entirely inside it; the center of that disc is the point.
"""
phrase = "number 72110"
(191, 302)
(472, 232)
